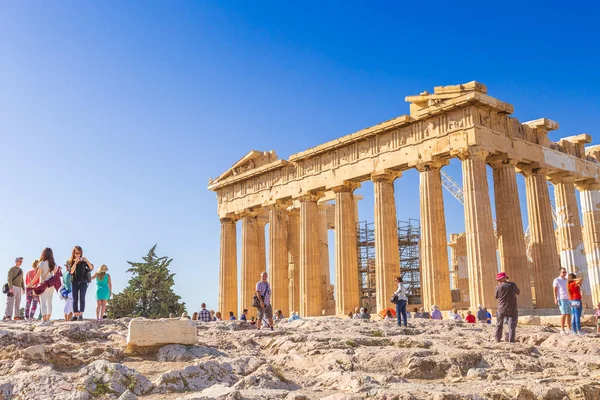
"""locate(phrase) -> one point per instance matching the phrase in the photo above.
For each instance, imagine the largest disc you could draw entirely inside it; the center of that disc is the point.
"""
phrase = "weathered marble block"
(152, 333)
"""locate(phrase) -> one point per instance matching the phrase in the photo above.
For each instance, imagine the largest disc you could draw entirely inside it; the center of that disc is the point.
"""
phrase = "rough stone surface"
(149, 333)
(309, 359)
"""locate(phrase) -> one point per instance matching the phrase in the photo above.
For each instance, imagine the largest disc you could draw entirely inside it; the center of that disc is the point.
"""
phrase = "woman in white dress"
(44, 272)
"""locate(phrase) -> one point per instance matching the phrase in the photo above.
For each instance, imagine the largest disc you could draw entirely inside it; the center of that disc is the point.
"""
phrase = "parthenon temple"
(294, 197)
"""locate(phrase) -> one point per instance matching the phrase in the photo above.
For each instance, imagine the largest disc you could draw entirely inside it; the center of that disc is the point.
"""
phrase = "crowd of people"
(46, 277)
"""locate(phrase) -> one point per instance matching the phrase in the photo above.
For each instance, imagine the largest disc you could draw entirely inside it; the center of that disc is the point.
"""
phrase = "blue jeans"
(79, 290)
(401, 312)
(576, 323)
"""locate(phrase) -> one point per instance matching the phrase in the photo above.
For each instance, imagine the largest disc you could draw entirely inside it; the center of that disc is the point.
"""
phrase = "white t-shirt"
(561, 284)
(45, 271)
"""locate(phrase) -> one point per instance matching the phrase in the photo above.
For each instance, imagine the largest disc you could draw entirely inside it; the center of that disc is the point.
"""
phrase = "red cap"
(501, 275)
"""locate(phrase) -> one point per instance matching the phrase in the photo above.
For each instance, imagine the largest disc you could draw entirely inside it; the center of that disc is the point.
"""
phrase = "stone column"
(458, 254)
(278, 257)
(293, 246)
(346, 252)
(251, 267)
(435, 274)
(542, 237)
(509, 229)
(589, 195)
(479, 231)
(262, 248)
(228, 277)
(324, 253)
(387, 259)
(311, 301)
(570, 235)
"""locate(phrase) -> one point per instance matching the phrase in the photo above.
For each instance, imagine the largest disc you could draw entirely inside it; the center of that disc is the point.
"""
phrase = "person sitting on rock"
(204, 314)
(218, 316)
(388, 315)
(470, 318)
(231, 316)
(416, 313)
(435, 312)
(481, 314)
(294, 316)
(364, 314)
(424, 314)
(356, 313)
(597, 314)
(244, 316)
(212, 315)
(195, 316)
(454, 315)
(351, 315)
(278, 317)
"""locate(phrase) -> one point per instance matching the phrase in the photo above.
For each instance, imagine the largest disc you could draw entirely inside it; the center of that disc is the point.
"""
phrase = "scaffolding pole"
(409, 234)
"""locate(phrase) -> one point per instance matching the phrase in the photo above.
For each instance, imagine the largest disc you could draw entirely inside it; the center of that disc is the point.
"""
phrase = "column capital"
(230, 219)
(280, 205)
(310, 196)
(346, 187)
(561, 177)
(467, 154)
(250, 213)
(588, 184)
(436, 163)
(497, 163)
(530, 170)
(385, 176)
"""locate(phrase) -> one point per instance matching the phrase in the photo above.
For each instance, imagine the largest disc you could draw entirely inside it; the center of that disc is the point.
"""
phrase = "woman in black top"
(79, 267)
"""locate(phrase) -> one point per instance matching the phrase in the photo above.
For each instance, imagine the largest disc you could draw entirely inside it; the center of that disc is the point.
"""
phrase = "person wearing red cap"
(506, 294)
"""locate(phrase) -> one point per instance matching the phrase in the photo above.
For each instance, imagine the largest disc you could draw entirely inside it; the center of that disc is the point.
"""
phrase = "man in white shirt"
(561, 298)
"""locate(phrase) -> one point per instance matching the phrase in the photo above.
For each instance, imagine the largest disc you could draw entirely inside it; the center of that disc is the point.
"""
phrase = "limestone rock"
(152, 333)
(128, 395)
(194, 377)
(103, 377)
(177, 352)
(218, 392)
(265, 377)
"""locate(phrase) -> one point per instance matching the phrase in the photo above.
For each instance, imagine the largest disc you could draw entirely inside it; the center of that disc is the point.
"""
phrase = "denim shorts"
(564, 306)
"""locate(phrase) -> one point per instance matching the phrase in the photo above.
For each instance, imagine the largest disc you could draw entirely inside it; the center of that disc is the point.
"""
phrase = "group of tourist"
(567, 296)
(46, 277)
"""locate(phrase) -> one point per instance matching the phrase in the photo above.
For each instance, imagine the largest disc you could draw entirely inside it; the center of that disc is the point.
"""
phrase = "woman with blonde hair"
(32, 298)
(45, 271)
(103, 291)
(79, 267)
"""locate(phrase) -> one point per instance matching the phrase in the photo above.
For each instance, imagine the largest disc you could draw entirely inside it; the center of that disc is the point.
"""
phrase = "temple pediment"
(254, 159)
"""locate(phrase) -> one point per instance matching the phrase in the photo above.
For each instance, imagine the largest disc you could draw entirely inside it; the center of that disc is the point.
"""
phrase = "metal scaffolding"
(409, 233)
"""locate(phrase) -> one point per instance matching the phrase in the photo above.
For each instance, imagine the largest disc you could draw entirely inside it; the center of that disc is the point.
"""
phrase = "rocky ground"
(325, 358)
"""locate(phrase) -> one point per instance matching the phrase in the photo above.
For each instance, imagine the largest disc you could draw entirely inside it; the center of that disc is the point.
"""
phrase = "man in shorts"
(561, 298)
(263, 292)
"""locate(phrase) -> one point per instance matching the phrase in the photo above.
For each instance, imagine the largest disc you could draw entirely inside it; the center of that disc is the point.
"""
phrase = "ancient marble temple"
(460, 121)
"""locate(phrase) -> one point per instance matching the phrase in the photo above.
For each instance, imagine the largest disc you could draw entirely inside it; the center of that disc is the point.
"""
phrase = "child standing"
(32, 298)
(67, 295)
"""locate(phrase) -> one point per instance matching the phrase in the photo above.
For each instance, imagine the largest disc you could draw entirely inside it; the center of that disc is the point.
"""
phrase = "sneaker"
(581, 333)
(6, 318)
(17, 319)
(272, 329)
(564, 332)
(73, 319)
(80, 318)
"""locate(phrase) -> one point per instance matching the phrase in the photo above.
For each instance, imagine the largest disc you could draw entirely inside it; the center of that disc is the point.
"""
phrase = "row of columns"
(296, 268)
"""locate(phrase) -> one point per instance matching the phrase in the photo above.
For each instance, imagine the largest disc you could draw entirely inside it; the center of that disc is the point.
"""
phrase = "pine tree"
(149, 292)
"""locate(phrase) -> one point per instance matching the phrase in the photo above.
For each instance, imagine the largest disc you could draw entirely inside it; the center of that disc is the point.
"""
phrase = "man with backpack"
(16, 287)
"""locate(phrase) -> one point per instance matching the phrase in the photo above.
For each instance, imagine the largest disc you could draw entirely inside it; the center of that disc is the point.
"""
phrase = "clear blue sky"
(114, 114)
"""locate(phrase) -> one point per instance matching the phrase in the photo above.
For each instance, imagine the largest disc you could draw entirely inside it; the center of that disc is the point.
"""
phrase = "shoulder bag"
(6, 287)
